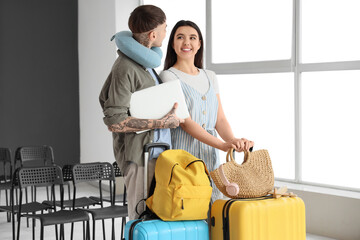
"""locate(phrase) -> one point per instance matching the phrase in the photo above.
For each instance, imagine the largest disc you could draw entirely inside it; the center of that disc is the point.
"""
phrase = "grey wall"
(39, 82)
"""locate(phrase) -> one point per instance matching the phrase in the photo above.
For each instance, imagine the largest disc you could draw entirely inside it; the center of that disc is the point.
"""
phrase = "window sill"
(317, 189)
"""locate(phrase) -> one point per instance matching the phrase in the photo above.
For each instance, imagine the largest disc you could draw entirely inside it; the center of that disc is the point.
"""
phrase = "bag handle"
(231, 150)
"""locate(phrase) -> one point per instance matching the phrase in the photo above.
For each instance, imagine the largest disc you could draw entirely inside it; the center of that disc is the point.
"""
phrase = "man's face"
(160, 33)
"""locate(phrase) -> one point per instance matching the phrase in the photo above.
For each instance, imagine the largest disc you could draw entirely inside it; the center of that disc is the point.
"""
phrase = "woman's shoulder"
(210, 73)
(167, 75)
(213, 78)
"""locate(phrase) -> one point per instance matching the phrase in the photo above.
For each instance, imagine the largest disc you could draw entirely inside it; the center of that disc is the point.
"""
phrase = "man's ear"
(152, 35)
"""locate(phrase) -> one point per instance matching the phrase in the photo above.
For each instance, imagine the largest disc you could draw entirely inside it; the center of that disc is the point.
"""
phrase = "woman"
(184, 61)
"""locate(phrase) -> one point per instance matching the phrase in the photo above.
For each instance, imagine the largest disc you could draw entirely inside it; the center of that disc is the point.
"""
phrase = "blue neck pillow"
(147, 57)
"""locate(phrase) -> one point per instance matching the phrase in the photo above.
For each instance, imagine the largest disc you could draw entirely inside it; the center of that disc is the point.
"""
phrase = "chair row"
(24, 156)
(60, 211)
(33, 155)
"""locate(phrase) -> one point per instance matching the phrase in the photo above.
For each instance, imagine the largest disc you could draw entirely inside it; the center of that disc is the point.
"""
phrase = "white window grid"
(293, 65)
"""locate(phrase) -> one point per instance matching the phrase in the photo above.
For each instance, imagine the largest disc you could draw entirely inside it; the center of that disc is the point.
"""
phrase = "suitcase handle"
(148, 146)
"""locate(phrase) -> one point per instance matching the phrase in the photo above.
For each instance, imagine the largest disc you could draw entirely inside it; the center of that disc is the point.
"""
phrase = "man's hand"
(170, 120)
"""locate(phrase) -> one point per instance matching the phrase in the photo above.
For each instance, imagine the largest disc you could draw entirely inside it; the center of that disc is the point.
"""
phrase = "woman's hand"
(225, 146)
(242, 144)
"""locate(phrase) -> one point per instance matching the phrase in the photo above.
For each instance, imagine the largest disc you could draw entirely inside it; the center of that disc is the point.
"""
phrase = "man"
(148, 26)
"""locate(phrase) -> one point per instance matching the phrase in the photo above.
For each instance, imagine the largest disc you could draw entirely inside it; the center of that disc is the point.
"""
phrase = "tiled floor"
(82, 190)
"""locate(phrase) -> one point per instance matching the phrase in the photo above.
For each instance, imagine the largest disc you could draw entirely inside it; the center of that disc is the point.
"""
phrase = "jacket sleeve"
(115, 97)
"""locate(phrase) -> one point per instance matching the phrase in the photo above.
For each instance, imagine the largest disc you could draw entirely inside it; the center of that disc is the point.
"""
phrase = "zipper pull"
(182, 203)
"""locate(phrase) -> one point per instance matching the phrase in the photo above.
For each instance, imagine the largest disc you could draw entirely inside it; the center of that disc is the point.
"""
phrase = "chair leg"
(69, 191)
(16, 197)
(93, 233)
(33, 228)
(72, 230)
(88, 230)
(103, 226)
(112, 229)
(13, 226)
(42, 232)
(7, 204)
(47, 194)
(123, 221)
(62, 234)
(18, 229)
(56, 232)
(84, 230)
(26, 197)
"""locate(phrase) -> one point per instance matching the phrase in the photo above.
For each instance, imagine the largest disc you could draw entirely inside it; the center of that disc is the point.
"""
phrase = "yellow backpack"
(182, 190)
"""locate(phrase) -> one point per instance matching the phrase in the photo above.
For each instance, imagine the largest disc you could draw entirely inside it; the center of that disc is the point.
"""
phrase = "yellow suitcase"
(258, 219)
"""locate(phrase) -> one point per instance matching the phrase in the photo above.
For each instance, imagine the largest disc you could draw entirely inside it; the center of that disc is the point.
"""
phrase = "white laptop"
(155, 102)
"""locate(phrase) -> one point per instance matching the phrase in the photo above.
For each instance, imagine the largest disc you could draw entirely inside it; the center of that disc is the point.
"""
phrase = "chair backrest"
(117, 170)
(67, 173)
(98, 171)
(43, 176)
(40, 176)
(41, 155)
(5, 163)
(86, 172)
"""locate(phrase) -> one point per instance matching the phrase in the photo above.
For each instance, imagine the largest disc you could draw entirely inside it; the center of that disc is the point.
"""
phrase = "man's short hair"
(146, 18)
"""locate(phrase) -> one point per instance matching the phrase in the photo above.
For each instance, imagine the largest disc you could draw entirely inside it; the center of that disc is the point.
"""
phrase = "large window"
(331, 129)
(289, 76)
(330, 30)
(256, 30)
(260, 107)
(317, 44)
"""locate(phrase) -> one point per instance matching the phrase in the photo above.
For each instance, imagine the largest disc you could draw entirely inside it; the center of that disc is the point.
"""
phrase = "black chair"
(37, 155)
(119, 198)
(47, 176)
(5, 176)
(100, 172)
(15, 209)
(72, 202)
(40, 155)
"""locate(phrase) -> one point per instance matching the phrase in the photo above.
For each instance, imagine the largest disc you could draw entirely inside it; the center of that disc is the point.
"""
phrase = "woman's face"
(186, 42)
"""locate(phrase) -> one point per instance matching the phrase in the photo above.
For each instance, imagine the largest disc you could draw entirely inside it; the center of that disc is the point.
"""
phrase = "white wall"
(98, 21)
(327, 215)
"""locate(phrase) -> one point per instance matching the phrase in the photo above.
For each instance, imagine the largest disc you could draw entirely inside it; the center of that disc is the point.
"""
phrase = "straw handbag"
(253, 178)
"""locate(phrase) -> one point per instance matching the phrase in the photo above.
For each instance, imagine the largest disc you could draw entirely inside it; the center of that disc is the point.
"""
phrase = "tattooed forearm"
(134, 124)
(138, 124)
(116, 128)
(158, 124)
(131, 124)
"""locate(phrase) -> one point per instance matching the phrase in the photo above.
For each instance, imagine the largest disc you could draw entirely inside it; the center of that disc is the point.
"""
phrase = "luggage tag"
(281, 192)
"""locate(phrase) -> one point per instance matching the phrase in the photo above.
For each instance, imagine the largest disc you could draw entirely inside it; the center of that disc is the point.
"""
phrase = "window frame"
(293, 65)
